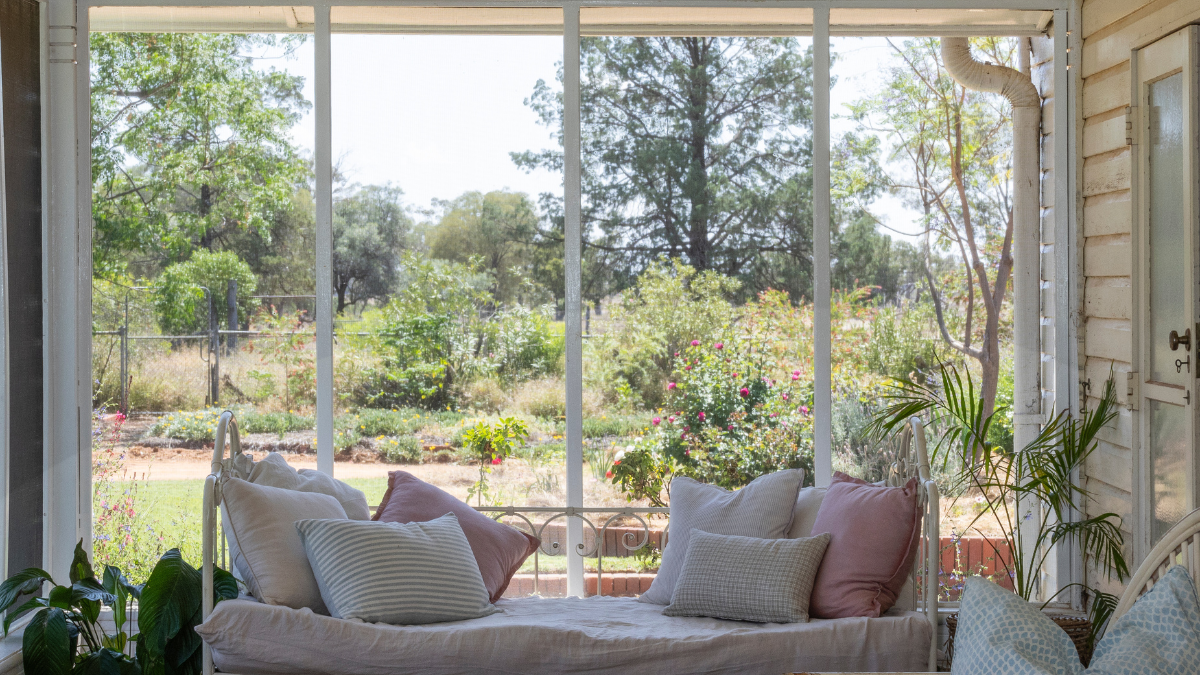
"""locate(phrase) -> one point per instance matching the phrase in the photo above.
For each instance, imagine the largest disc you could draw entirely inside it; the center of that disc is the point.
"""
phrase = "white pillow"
(762, 509)
(274, 471)
(808, 502)
(269, 554)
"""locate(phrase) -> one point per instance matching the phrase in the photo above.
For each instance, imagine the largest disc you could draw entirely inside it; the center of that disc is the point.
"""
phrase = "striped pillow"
(399, 573)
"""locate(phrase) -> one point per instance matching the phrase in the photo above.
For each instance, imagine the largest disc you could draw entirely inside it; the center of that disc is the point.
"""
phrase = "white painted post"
(323, 160)
(822, 321)
(573, 189)
(83, 280)
(4, 402)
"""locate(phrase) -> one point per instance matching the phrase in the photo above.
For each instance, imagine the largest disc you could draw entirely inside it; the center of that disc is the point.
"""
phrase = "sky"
(438, 115)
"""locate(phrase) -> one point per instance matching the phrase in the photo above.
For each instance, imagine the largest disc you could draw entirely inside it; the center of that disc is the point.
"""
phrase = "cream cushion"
(808, 502)
(269, 553)
(274, 471)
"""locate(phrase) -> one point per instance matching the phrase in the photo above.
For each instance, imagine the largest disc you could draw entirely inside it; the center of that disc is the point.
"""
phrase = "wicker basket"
(1078, 628)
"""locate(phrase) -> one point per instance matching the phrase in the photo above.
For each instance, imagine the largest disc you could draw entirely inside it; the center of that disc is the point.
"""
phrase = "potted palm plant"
(1030, 493)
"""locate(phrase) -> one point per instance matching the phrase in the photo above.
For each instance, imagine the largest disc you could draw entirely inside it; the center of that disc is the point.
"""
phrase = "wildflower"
(744, 392)
(695, 343)
(655, 421)
(720, 345)
(670, 385)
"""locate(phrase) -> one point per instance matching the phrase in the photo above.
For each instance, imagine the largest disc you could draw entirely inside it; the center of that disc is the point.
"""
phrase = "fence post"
(231, 301)
(214, 354)
(124, 331)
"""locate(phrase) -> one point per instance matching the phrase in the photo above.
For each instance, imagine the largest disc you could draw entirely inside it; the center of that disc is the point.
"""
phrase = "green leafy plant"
(491, 444)
(1031, 492)
(168, 611)
(179, 294)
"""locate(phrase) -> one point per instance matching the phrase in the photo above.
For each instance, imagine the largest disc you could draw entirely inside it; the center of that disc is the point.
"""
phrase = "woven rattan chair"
(1179, 546)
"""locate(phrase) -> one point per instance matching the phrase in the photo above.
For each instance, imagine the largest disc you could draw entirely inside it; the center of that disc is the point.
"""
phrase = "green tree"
(693, 148)
(190, 143)
(180, 294)
(370, 231)
(950, 157)
(498, 228)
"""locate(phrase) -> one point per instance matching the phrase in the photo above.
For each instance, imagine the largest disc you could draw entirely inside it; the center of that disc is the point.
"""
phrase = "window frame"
(75, 291)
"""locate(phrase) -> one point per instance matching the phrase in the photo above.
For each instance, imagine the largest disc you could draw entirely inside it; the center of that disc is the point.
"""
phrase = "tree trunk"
(696, 182)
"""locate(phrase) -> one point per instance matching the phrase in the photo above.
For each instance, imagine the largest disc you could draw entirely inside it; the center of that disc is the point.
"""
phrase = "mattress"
(557, 635)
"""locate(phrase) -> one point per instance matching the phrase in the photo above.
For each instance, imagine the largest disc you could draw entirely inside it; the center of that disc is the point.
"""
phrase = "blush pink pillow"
(873, 533)
(499, 549)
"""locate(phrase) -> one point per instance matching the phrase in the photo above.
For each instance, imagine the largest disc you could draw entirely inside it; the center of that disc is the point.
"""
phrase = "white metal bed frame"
(911, 460)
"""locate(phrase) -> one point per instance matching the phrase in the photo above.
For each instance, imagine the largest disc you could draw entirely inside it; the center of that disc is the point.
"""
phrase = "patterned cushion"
(999, 632)
(1159, 635)
(748, 579)
(399, 573)
(761, 509)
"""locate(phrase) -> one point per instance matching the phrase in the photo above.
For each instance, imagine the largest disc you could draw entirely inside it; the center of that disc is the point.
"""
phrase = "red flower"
(616, 462)
(744, 392)
(608, 474)
(496, 460)
(670, 385)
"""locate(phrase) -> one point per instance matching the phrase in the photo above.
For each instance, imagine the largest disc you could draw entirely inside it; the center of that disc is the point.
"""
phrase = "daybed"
(568, 635)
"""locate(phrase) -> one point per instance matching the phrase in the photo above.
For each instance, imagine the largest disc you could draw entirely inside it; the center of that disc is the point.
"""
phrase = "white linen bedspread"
(557, 635)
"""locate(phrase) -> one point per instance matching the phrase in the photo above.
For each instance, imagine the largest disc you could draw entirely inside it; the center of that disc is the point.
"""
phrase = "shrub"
(521, 343)
(727, 422)
(670, 305)
(546, 399)
(400, 449)
(485, 395)
(179, 296)
(902, 342)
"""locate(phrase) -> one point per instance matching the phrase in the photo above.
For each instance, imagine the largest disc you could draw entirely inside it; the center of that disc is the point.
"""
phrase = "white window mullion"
(323, 160)
(573, 197)
(822, 375)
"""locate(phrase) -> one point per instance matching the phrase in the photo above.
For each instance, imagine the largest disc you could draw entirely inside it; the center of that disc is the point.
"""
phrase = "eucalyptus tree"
(696, 148)
(948, 154)
(498, 228)
(371, 229)
(190, 143)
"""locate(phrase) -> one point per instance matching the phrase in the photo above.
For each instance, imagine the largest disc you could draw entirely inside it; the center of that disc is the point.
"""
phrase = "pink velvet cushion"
(499, 549)
(873, 532)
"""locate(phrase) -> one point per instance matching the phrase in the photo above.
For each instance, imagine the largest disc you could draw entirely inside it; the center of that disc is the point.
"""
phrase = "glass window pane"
(1169, 430)
(1168, 258)
(203, 262)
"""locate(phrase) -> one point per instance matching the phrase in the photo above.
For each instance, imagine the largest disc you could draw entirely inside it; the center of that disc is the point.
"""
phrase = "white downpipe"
(1027, 115)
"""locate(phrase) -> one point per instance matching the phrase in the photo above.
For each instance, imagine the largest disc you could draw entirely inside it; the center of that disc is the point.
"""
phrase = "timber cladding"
(1110, 30)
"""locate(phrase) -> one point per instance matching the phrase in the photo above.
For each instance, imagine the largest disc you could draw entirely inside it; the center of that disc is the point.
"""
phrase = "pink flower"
(496, 460)
(655, 421)
(686, 429)
(671, 419)
(676, 353)
(731, 427)
(687, 367)
(795, 377)
(670, 385)
(701, 415)
(735, 375)
(774, 414)
(785, 396)
(120, 417)
(744, 392)
(804, 409)
(683, 435)
(687, 453)
(796, 373)
(695, 343)
(720, 345)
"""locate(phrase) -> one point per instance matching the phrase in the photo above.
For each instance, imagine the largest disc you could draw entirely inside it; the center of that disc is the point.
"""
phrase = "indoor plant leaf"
(225, 586)
(22, 583)
(170, 598)
(32, 603)
(105, 661)
(46, 645)
(81, 567)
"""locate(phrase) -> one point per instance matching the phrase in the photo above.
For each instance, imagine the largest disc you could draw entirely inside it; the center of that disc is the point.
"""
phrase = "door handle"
(1175, 340)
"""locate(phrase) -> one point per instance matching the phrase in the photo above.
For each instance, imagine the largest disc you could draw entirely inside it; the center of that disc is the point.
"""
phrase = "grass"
(171, 509)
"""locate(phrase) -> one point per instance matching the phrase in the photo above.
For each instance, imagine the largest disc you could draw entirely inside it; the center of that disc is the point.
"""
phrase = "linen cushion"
(399, 573)
(499, 549)
(748, 579)
(873, 542)
(999, 632)
(808, 503)
(1160, 634)
(270, 556)
(762, 509)
(273, 470)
